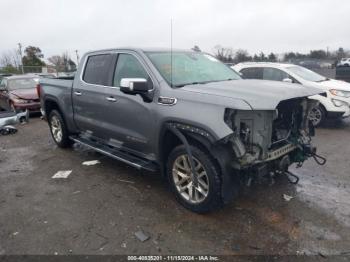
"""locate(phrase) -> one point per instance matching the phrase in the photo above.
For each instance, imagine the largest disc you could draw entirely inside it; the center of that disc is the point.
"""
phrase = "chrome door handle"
(77, 93)
(111, 99)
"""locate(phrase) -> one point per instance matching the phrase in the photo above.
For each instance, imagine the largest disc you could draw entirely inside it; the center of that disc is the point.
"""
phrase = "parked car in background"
(344, 62)
(183, 114)
(336, 102)
(18, 93)
(342, 73)
(4, 75)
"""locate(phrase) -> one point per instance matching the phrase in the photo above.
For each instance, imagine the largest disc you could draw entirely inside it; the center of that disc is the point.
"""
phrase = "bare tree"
(62, 63)
(242, 55)
(224, 54)
(57, 62)
(10, 58)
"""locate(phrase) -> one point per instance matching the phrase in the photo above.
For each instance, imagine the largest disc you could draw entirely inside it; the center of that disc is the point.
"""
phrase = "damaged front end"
(269, 141)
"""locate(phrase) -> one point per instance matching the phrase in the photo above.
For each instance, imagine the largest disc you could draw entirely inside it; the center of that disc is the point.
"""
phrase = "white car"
(344, 62)
(336, 102)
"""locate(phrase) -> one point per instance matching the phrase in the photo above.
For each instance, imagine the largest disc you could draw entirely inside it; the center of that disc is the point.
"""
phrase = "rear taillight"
(38, 89)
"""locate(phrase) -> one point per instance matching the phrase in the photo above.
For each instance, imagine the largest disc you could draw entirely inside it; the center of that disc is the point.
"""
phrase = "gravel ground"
(98, 208)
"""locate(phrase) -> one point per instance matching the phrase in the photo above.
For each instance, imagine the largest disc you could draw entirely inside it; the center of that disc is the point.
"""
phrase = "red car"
(19, 93)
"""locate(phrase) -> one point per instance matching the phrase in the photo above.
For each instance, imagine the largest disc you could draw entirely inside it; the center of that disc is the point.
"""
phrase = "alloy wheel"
(56, 128)
(182, 176)
(315, 116)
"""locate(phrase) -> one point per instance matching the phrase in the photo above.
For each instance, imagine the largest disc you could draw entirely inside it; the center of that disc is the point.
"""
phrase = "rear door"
(89, 95)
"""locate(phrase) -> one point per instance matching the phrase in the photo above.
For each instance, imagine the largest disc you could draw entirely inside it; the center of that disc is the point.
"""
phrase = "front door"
(131, 119)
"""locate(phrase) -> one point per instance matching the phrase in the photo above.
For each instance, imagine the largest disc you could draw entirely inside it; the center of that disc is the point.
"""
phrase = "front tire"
(59, 129)
(317, 115)
(206, 196)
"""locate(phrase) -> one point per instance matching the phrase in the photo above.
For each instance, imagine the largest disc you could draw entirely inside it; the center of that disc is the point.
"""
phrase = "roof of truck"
(146, 49)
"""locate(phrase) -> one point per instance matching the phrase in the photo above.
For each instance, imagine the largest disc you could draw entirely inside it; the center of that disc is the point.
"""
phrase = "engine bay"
(264, 135)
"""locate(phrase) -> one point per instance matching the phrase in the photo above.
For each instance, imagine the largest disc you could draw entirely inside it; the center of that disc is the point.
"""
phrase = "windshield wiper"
(188, 84)
(204, 82)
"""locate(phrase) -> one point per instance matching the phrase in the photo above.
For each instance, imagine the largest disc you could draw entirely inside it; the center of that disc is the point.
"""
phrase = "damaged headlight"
(341, 93)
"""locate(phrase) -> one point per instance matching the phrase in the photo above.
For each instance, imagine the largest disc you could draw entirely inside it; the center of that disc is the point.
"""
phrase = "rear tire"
(58, 129)
(207, 196)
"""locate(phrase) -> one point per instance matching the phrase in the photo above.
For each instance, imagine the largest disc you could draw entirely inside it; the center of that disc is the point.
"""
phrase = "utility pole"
(20, 53)
(77, 54)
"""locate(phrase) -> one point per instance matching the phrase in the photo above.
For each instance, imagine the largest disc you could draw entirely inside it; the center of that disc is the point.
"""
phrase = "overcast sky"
(255, 25)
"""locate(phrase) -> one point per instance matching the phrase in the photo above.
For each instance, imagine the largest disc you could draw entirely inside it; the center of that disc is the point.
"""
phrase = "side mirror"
(134, 85)
(287, 80)
(139, 86)
(2, 88)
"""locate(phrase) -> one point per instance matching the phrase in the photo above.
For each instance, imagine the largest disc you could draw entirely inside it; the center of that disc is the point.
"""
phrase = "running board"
(129, 159)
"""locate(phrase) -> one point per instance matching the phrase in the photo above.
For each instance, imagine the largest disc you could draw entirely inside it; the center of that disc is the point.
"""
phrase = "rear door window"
(97, 69)
(274, 74)
(252, 73)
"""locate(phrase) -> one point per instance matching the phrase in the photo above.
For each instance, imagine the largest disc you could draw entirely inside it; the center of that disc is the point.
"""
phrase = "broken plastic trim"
(188, 149)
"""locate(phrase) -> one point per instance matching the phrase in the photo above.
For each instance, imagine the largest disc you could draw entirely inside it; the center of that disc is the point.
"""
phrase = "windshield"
(190, 68)
(307, 74)
(22, 83)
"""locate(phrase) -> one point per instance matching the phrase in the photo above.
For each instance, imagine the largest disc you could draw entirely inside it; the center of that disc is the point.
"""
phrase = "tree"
(32, 57)
(255, 58)
(242, 56)
(318, 54)
(224, 54)
(10, 61)
(272, 57)
(196, 48)
(10, 58)
(289, 56)
(62, 63)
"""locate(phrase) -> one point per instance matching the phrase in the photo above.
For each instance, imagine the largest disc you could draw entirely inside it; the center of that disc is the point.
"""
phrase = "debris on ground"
(62, 174)
(8, 130)
(76, 192)
(123, 245)
(136, 189)
(126, 181)
(287, 197)
(236, 248)
(91, 163)
(15, 233)
(254, 247)
(142, 236)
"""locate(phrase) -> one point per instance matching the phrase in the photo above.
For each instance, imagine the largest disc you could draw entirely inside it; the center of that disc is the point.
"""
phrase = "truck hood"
(27, 94)
(259, 94)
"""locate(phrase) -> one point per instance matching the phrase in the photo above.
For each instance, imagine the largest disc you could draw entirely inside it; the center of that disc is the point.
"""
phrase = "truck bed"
(62, 82)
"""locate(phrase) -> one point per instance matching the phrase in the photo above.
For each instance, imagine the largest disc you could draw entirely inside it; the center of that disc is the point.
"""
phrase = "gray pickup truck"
(183, 114)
